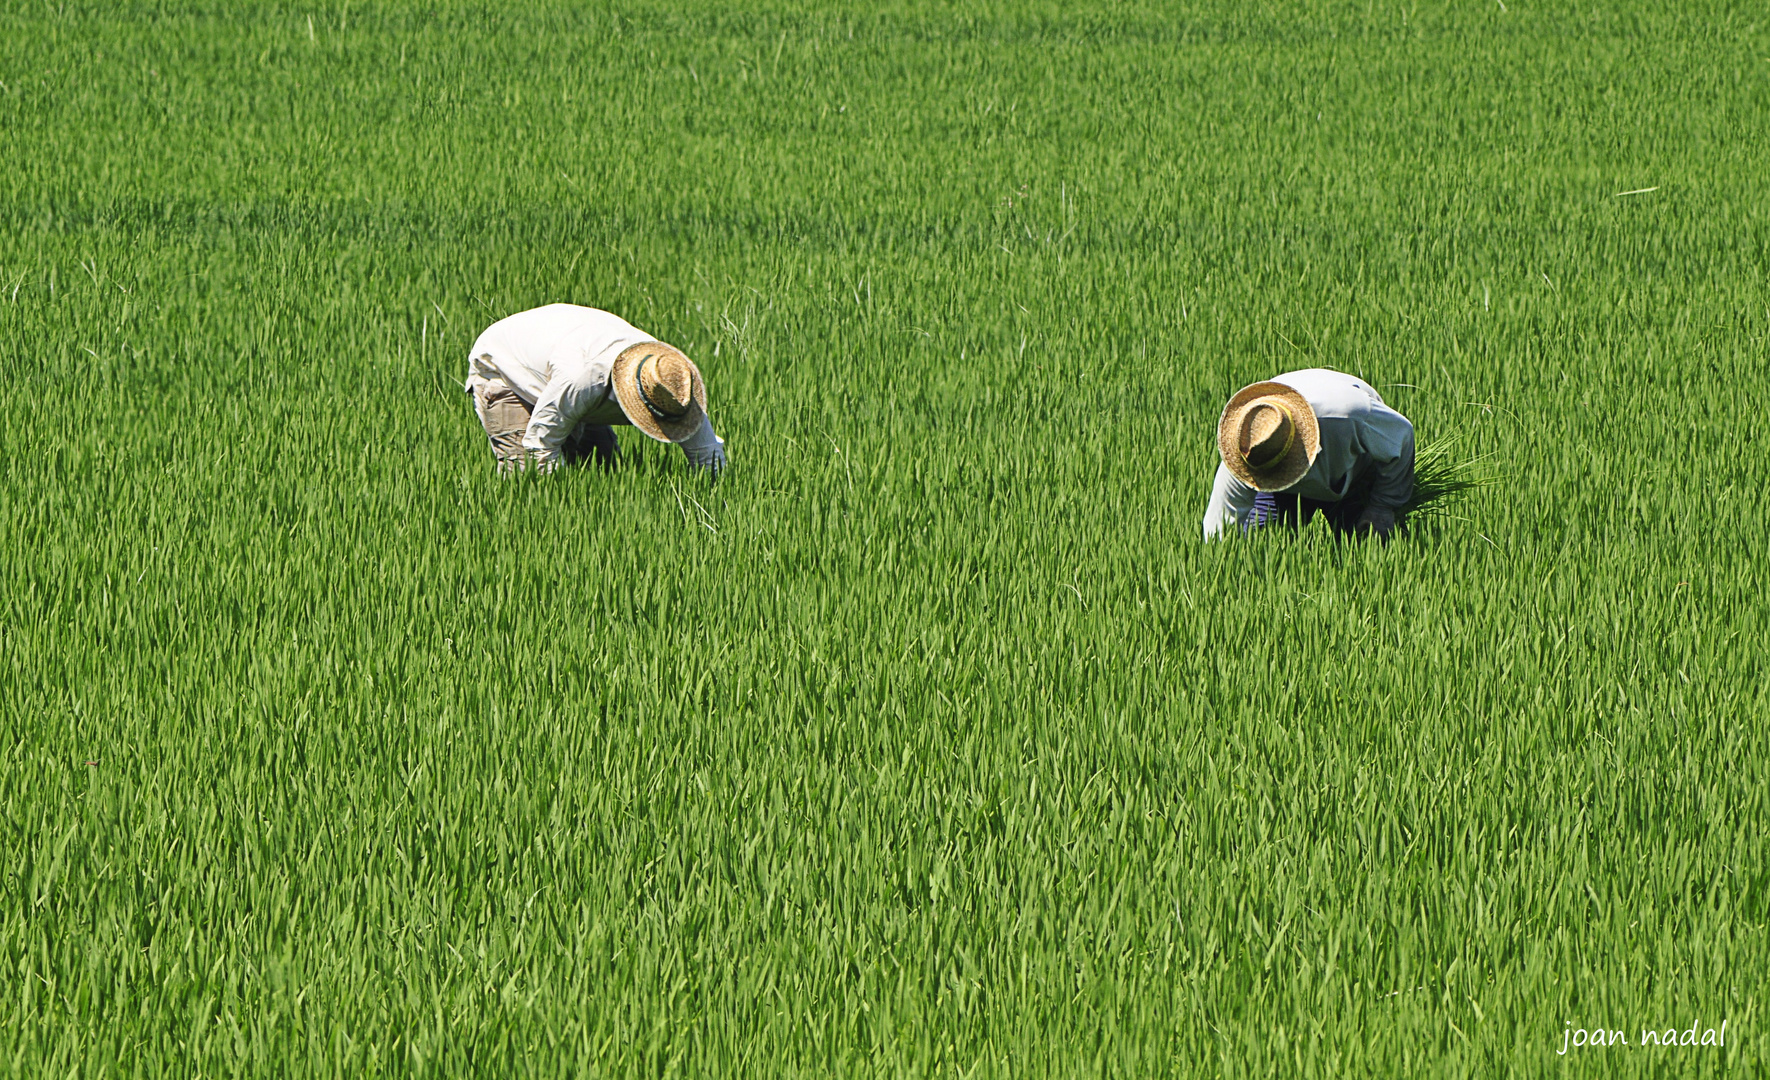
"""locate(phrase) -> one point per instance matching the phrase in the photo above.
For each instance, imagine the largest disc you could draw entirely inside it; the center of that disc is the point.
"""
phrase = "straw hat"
(1268, 436)
(660, 390)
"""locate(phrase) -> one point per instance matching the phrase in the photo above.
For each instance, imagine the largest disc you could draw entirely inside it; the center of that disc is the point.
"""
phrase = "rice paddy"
(930, 739)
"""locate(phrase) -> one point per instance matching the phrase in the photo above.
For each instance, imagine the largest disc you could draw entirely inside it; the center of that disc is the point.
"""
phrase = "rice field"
(930, 740)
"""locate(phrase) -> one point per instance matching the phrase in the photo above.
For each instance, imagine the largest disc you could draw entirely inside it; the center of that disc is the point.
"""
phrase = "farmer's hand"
(711, 458)
(1377, 520)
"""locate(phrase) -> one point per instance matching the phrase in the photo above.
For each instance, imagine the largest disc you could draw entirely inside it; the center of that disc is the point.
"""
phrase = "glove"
(705, 453)
(1376, 520)
(713, 461)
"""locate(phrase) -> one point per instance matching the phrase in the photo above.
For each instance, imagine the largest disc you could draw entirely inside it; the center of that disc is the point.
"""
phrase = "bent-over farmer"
(1308, 442)
(549, 384)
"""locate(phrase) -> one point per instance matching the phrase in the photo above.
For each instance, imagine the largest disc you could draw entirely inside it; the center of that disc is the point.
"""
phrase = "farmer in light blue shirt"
(1309, 442)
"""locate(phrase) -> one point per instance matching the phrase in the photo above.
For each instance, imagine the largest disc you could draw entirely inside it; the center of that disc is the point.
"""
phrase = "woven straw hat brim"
(1287, 470)
(632, 402)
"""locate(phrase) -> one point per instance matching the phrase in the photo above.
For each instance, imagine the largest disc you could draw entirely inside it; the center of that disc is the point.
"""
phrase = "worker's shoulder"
(1334, 393)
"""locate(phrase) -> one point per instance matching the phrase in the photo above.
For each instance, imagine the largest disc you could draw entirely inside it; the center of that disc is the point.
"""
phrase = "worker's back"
(524, 348)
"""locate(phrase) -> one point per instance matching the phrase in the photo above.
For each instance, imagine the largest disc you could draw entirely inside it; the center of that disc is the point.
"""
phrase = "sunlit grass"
(1444, 479)
(930, 740)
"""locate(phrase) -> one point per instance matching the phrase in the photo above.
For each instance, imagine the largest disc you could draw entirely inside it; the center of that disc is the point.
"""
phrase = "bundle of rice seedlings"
(1441, 480)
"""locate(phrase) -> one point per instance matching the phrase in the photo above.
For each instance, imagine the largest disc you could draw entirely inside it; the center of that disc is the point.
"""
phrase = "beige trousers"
(505, 416)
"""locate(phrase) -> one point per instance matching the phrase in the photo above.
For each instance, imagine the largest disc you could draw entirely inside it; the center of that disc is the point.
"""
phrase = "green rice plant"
(1443, 480)
(930, 740)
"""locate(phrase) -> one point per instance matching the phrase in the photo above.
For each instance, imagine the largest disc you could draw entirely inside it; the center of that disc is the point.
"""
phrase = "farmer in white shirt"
(548, 385)
(1309, 442)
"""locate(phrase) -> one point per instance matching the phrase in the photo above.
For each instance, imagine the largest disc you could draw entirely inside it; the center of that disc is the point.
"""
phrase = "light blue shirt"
(1360, 435)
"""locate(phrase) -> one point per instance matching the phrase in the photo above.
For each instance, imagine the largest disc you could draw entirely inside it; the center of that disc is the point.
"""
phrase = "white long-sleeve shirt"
(1359, 435)
(558, 359)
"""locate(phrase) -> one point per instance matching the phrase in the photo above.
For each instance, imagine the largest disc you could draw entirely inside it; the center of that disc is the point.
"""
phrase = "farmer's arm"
(567, 398)
(1231, 503)
(704, 449)
(1389, 438)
